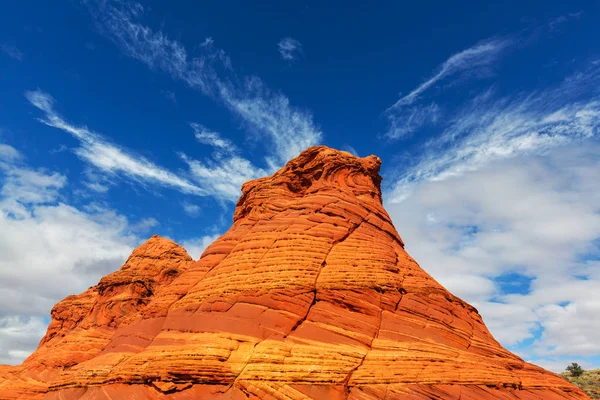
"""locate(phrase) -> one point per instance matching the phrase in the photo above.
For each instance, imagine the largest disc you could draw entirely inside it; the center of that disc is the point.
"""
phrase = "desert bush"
(575, 369)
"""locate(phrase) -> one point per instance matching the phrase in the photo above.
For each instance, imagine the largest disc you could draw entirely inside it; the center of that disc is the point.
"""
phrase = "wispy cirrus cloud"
(288, 129)
(488, 128)
(193, 210)
(220, 175)
(169, 95)
(407, 116)
(417, 109)
(289, 48)
(405, 120)
(556, 22)
(11, 51)
(480, 55)
(504, 192)
(224, 172)
(212, 138)
(106, 156)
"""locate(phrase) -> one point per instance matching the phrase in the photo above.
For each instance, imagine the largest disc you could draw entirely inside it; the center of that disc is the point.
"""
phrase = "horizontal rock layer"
(310, 294)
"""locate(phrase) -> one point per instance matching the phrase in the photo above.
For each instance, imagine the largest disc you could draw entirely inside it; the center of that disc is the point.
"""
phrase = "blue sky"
(119, 120)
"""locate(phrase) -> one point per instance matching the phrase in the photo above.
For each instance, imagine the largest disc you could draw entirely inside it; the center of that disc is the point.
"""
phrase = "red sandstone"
(310, 294)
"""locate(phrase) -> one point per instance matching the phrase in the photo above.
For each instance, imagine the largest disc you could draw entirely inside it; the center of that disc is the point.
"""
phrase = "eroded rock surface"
(310, 294)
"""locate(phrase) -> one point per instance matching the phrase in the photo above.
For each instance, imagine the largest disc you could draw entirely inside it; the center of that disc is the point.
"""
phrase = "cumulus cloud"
(288, 129)
(535, 217)
(195, 247)
(289, 48)
(19, 336)
(8, 153)
(500, 201)
(50, 249)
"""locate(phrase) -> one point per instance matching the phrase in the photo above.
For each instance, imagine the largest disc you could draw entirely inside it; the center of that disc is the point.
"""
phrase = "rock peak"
(309, 295)
(315, 169)
(157, 246)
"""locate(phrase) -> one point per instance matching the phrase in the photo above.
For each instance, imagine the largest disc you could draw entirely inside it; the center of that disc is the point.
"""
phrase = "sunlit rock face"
(309, 294)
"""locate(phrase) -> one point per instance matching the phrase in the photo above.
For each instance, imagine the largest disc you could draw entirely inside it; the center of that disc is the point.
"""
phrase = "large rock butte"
(310, 294)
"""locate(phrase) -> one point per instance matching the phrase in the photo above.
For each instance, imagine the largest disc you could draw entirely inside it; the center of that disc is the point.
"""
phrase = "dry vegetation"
(589, 381)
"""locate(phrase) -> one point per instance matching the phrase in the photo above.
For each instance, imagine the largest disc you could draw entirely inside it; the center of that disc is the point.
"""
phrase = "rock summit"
(309, 295)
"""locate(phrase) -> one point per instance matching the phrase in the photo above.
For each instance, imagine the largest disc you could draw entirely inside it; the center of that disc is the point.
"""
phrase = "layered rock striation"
(310, 294)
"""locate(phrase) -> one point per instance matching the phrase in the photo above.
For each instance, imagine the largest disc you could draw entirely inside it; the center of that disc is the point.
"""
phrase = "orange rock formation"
(310, 294)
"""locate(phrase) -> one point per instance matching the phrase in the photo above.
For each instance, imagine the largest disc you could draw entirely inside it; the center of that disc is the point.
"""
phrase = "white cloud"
(193, 210)
(288, 129)
(195, 247)
(48, 250)
(212, 138)
(289, 48)
(556, 22)
(508, 189)
(220, 175)
(116, 20)
(537, 216)
(8, 153)
(291, 130)
(209, 41)
(26, 186)
(407, 116)
(482, 54)
(510, 323)
(569, 329)
(96, 187)
(18, 337)
(417, 110)
(144, 225)
(487, 129)
(223, 175)
(108, 157)
(11, 51)
(403, 121)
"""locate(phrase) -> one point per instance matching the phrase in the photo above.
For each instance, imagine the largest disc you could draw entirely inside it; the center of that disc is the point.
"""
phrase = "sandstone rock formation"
(310, 294)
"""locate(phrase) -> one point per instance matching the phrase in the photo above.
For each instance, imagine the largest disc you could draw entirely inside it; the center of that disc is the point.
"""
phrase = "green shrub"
(575, 369)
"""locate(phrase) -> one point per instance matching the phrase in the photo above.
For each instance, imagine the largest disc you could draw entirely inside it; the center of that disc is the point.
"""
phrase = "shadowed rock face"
(309, 294)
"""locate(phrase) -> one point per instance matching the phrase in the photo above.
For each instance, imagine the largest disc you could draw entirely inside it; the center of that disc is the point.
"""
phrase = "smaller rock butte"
(310, 294)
